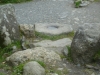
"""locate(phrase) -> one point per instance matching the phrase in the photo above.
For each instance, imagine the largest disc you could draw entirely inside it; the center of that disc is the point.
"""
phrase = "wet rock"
(9, 27)
(33, 68)
(86, 43)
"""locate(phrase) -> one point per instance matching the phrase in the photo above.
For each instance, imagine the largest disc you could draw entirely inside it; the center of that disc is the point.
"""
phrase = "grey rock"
(65, 51)
(27, 30)
(84, 3)
(28, 35)
(86, 43)
(38, 53)
(33, 68)
(92, 67)
(9, 27)
(58, 43)
(53, 28)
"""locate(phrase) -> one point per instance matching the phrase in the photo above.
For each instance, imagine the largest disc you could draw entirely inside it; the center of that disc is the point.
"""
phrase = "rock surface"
(38, 53)
(9, 27)
(33, 68)
(86, 43)
(28, 35)
(27, 30)
(58, 43)
(53, 28)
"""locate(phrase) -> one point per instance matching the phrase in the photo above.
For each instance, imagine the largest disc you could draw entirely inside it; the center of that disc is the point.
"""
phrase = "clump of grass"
(69, 54)
(2, 74)
(8, 49)
(41, 63)
(96, 56)
(13, 1)
(54, 37)
(18, 70)
(5, 52)
(77, 3)
(62, 56)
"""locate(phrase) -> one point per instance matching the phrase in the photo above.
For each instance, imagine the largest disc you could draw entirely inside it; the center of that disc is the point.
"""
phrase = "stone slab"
(58, 43)
(53, 28)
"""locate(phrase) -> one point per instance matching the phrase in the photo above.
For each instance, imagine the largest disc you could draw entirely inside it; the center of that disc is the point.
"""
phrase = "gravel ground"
(57, 11)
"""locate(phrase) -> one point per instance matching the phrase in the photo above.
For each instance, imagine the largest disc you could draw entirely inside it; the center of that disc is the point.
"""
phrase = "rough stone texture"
(86, 43)
(38, 53)
(53, 28)
(9, 27)
(27, 30)
(33, 68)
(58, 43)
(28, 34)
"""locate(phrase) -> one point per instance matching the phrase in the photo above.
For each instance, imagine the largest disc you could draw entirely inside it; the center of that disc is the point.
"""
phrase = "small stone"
(93, 74)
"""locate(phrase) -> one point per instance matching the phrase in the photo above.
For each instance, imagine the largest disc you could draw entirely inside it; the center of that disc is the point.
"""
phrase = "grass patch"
(54, 37)
(69, 58)
(18, 70)
(2, 74)
(41, 63)
(77, 3)
(96, 56)
(8, 50)
(63, 71)
(5, 52)
(12, 1)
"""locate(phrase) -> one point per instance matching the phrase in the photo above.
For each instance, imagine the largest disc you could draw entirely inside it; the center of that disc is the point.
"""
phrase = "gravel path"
(57, 11)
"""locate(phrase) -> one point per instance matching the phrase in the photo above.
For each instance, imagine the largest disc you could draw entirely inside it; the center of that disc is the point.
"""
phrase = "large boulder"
(38, 53)
(9, 27)
(33, 68)
(86, 43)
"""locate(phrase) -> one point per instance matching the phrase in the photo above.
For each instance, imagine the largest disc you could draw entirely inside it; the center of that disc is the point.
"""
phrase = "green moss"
(12, 1)
(41, 63)
(54, 37)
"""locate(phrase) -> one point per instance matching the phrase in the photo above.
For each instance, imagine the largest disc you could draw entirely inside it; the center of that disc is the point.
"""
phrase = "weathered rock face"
(9, 27)
(28, 34)
(28, 30)
(86, 43)
(38, 53)
(33, 68)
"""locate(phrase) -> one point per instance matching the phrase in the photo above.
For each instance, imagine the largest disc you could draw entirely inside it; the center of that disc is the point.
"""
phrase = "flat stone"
(59, 46)
(58, 43)
(53, 28)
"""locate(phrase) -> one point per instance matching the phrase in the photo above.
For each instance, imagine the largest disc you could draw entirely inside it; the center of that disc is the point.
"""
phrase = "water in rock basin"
(52, 27)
